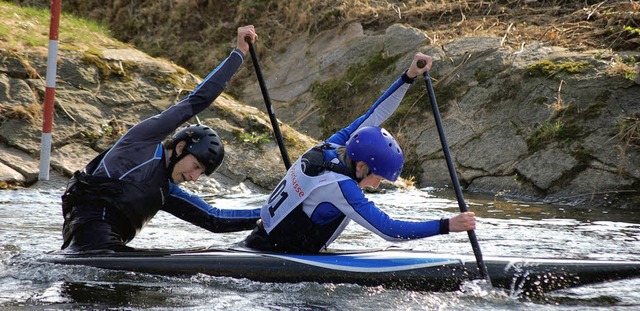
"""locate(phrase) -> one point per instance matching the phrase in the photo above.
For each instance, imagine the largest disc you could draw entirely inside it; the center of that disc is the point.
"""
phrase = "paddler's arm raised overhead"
(116, 194)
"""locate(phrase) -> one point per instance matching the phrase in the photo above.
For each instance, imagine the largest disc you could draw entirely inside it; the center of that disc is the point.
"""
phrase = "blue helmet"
(204, 144)
(378, 149)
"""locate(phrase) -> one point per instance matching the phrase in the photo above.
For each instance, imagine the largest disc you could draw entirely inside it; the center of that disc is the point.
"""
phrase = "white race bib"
(294, 188)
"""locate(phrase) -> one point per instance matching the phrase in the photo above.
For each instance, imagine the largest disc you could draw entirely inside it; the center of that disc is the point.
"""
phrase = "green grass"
(345, 98)
(546, 133)
(253, 138)
(547, 68)
(28, 27)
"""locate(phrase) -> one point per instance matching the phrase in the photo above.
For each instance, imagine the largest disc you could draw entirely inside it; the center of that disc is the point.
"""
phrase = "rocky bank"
(99, 97)
(539, 123)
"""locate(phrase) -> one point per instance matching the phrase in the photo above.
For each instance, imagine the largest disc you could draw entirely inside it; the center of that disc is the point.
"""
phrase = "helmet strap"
(354, 166)
(175, 159)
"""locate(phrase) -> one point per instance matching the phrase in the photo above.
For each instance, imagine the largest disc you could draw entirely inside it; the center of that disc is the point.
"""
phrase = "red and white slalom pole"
(50, 90)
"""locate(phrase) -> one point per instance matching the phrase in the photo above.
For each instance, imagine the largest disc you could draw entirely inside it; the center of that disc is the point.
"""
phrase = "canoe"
(391, 268)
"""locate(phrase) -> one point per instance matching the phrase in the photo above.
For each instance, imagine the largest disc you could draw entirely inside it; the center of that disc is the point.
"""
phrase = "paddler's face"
(368, 179)
(188, 168)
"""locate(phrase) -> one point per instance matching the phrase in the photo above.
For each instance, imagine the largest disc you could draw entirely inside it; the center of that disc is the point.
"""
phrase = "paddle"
(267, 101)
(454, 178)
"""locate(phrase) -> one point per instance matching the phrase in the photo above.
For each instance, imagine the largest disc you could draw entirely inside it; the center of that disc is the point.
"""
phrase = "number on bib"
(278, 192)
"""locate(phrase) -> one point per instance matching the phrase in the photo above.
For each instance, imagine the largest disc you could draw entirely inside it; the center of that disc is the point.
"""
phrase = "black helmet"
(204, 144)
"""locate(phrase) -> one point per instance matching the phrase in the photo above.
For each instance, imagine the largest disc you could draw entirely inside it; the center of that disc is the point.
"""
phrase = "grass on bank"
(629, 130)
(27, 28)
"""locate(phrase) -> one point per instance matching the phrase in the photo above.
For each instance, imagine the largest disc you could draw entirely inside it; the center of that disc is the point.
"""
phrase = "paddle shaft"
(484, 273)
(267, 101)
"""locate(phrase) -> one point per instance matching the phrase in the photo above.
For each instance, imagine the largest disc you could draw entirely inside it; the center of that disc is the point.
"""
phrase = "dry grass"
(197, 34)
(576, 24)
(629, 131)
(31, 112)
(620, 68)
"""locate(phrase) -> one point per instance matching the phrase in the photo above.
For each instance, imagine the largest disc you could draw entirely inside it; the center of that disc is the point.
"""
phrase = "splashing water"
(30, 226)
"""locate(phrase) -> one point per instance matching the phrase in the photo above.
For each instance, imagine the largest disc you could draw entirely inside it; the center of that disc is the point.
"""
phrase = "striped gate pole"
(50, 90)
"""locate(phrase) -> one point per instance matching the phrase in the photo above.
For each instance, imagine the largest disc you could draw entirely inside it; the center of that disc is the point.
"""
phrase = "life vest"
(285, 226)
(132, 204)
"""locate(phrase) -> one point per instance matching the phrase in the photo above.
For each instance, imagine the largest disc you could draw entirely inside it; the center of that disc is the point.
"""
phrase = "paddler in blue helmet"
(322, 191)
(117, 193)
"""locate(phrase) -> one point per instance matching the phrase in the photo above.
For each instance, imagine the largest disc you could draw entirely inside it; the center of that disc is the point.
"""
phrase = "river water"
(30, 226)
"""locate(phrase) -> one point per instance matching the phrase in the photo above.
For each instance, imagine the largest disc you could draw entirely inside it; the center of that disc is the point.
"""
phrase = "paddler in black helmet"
(117, 193)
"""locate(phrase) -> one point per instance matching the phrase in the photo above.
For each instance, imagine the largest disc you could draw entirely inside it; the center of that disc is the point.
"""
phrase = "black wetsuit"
(117, 193)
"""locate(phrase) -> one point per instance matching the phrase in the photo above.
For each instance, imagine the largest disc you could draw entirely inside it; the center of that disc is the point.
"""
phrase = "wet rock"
(545, 167)
(9, 176)
(20, 162)
(72, 157)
